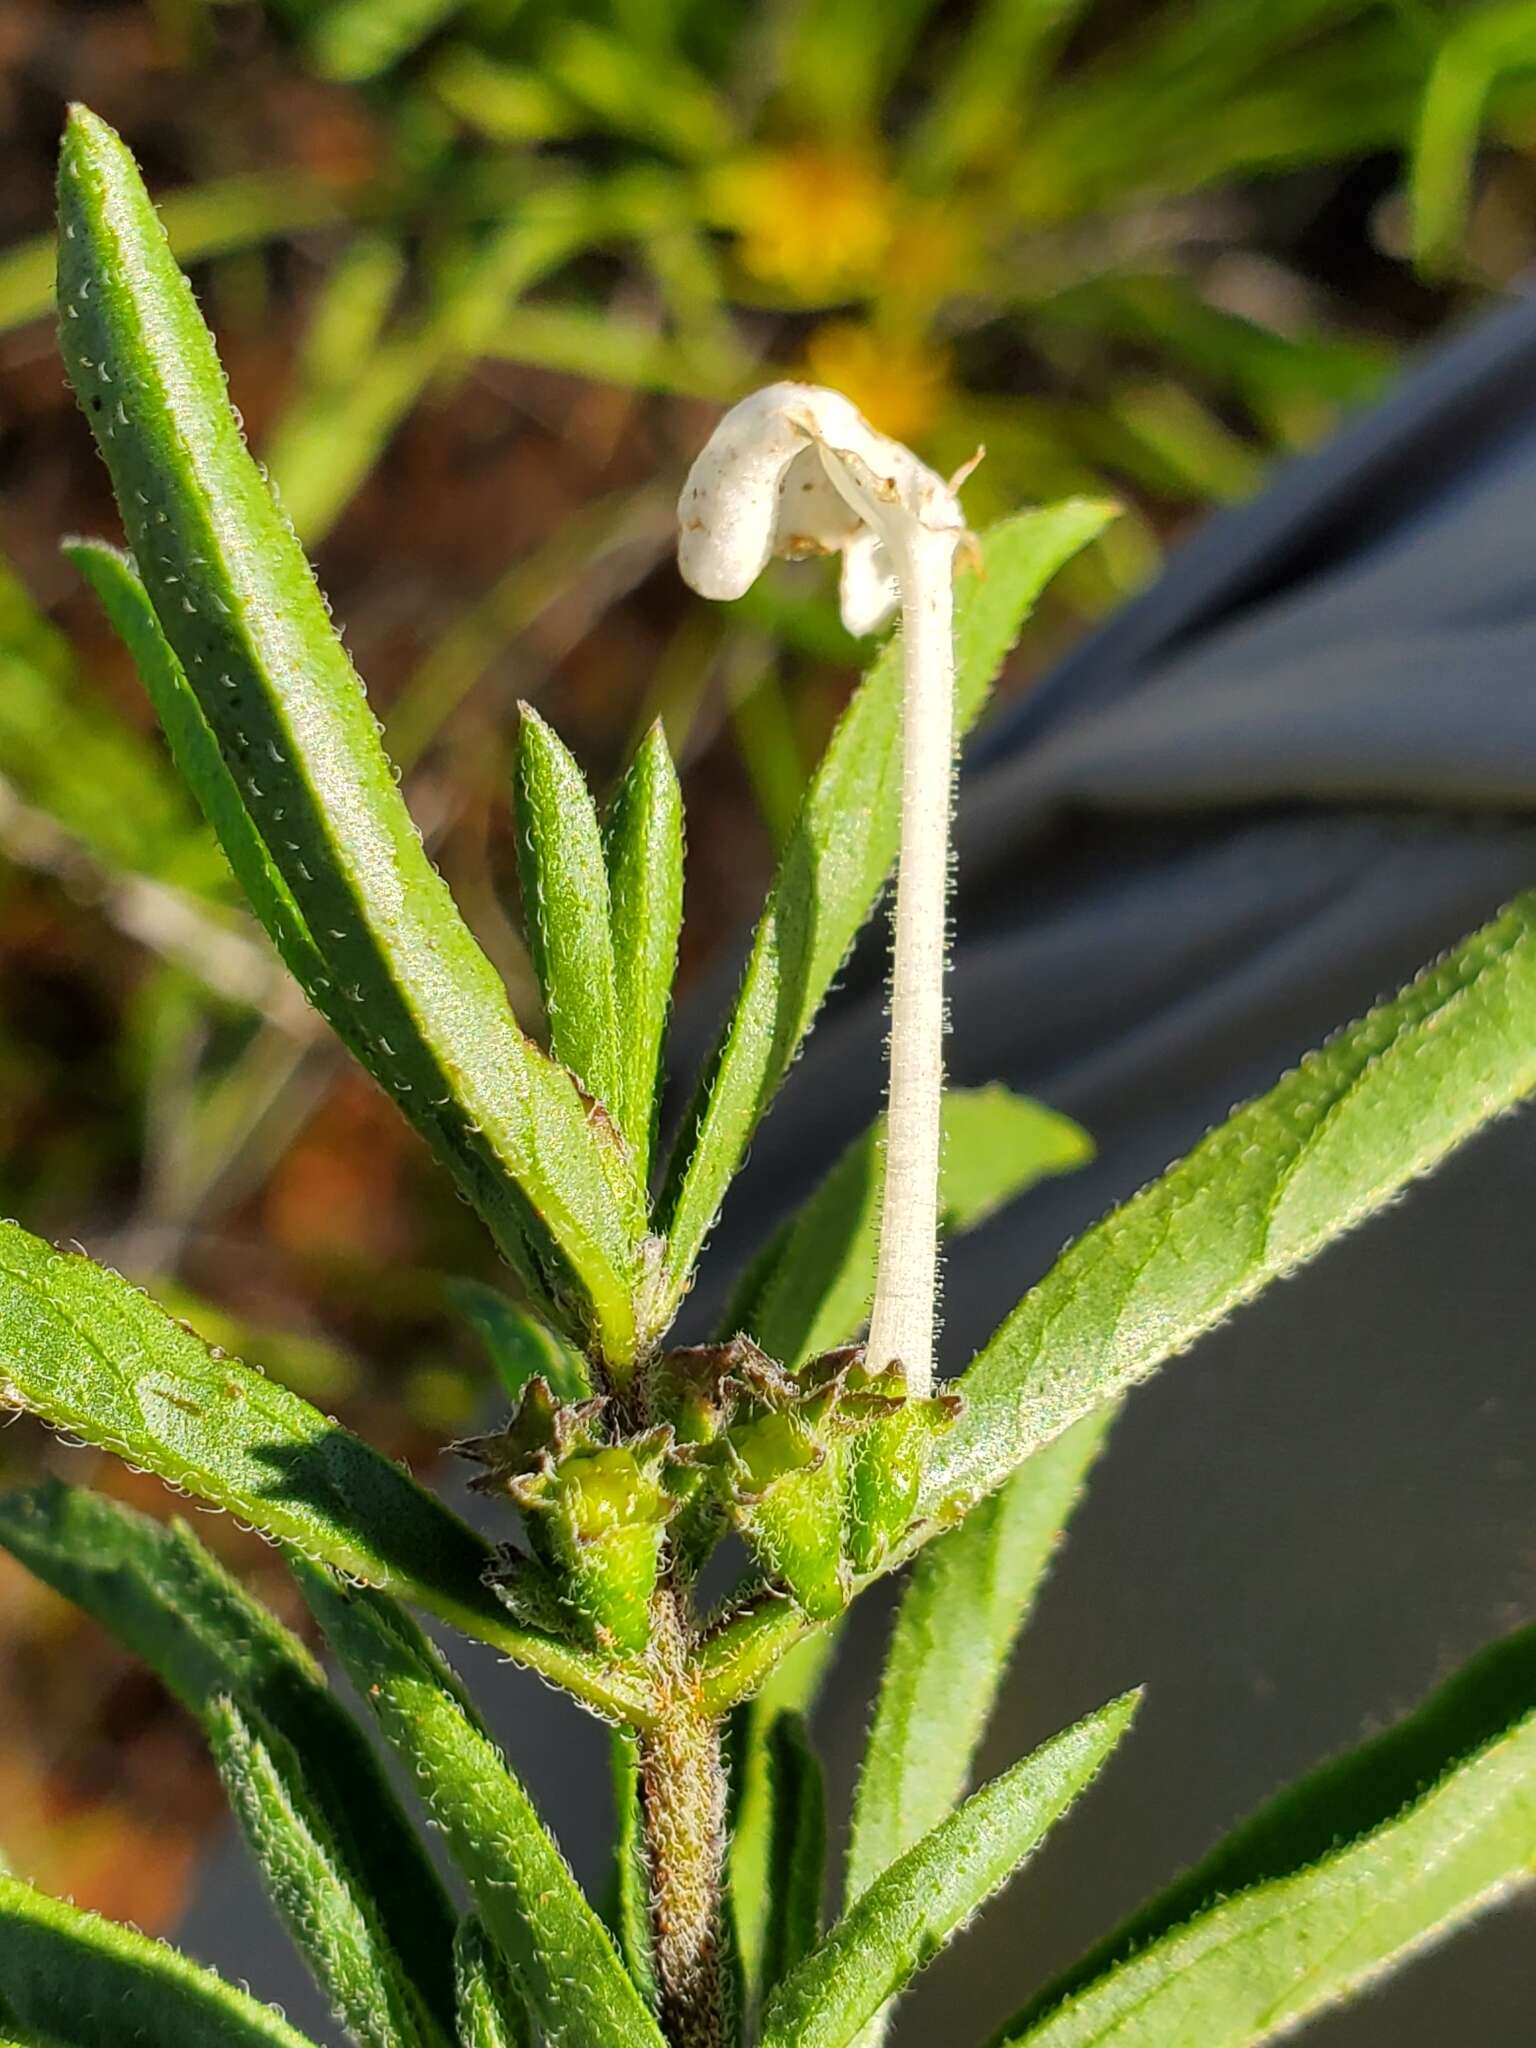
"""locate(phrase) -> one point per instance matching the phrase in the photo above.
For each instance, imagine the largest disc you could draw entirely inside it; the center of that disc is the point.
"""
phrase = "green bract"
(628, 1459)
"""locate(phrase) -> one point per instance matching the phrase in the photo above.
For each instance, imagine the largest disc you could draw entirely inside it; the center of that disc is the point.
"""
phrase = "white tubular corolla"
(797, 470)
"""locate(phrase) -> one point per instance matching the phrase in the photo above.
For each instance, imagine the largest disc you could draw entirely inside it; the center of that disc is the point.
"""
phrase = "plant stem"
(682, 1798)
(906, 1283)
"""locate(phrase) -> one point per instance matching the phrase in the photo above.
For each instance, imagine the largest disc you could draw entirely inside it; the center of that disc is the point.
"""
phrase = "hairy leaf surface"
(92, 1355)
(161, 1593)
(629, 1900)
(74, 1979)
(643, 838)
(578, 1990)
(307, 1874)
(491, 2012)
(909, 1913)
(1340, 1878)
(565, 907)
(1336, 1139)
(239, 605)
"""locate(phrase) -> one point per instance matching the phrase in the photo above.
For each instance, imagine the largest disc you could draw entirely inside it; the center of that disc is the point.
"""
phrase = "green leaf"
(643, 837)
(629, 1910)
(799, 1851)
(910, 1912)
(491, 2011)
(810, 1291)
(92, 1355)
(66, 754)
(1343, 1876)
(1381, 1104)
(970, 1595)
(577, 1989)
(330, 1917)
(565, 908)
(835, 866)
(357, 39)
(791, 1688)
(161, 1593)
(1467, 67)
(518, 1345)
(202, 767)
(241, 610)
(74, 1980)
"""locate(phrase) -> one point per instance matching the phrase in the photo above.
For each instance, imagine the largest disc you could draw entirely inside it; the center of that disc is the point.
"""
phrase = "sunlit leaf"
(1379, 1105)
(71, 1980)
(1342, 1877)
(330, 1916)
(643, 837)
(239, 605)
(577, 1988)
(161, 1593)
(95, 1357)
(565, 909)
(910, 1912)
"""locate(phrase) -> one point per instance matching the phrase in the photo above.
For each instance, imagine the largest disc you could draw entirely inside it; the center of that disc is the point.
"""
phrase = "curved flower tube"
(797, 470)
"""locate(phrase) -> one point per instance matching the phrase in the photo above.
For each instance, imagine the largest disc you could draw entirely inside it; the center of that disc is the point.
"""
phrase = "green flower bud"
(787, 1494)
(889, 1434)
(596, 1514)
(779, 1477)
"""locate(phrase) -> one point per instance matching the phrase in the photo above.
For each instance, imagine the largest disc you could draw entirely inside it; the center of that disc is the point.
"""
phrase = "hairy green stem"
(682, 1797)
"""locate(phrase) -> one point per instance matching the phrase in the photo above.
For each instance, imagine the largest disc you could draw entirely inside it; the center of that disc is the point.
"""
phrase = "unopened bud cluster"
(819, 1471)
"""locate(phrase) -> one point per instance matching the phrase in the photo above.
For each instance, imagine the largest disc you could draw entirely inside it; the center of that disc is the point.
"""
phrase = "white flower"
(797, 470)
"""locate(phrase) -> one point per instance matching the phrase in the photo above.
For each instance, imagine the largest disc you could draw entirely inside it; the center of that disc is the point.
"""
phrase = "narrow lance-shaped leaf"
(629, 1899)
(161, 1593)
(519, 1346)
(491, 2012)
(203, 768)
(307, 1876)
(565, 908)
(92, 1355)
(799, 1851)
(577, 1989)
(908, 1915)
(103, 783)
(810, 1290)
(970, 1594)
(241, 610)
(792, 1688)
(643, 839)
(1342, 1877)
(835, 865)
(73, 1980)
(1381, 1104)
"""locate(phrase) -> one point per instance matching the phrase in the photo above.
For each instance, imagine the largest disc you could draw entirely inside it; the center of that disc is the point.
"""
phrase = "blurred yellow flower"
(814, 219)
(899, 382)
